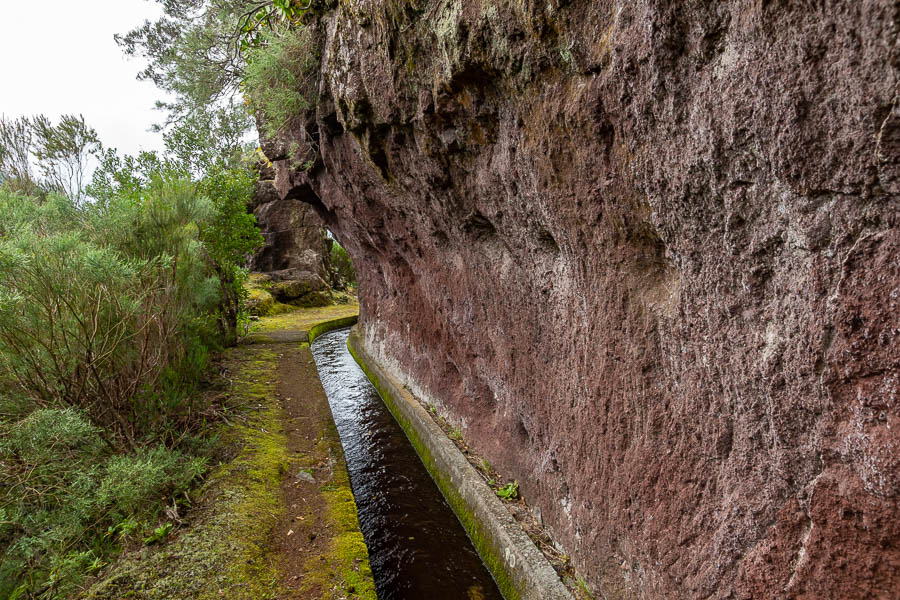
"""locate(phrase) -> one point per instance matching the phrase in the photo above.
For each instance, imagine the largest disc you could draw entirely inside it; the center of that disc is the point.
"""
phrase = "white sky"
(61, 58)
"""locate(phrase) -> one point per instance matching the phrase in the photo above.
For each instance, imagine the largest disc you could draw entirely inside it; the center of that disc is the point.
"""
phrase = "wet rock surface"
(647, 256)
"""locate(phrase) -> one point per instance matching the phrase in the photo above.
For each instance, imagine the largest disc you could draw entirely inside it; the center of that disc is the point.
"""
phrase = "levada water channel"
(417, 547)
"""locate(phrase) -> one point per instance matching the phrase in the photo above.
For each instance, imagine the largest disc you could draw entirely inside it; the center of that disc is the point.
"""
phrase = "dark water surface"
(417, 547)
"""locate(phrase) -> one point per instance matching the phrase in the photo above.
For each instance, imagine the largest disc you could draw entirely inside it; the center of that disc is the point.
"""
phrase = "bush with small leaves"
(63, 490)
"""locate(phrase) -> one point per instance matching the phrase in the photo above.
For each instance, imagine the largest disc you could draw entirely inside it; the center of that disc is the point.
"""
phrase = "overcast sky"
(59, 57)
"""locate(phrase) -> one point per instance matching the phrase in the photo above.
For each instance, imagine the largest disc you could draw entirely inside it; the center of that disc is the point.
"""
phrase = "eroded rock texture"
(647, 253)
(295, 254)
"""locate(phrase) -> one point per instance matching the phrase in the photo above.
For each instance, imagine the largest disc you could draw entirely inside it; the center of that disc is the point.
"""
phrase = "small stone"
(304, 476)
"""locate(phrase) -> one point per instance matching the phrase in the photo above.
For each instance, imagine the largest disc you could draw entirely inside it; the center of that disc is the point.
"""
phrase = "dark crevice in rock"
(479, 227)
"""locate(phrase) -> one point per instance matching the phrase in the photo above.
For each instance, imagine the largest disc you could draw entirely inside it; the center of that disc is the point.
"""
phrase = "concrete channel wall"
(518, 567)
(326, 326)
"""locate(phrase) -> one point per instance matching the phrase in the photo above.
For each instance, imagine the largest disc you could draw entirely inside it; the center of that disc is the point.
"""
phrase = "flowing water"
(417, 547)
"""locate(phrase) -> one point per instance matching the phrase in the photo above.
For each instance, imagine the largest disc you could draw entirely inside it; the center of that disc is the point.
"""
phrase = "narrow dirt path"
(319, 548)
(276, 518)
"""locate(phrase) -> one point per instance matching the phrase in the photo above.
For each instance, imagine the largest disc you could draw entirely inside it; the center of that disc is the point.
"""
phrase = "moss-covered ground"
(305, 319)
(249, 535)
(263, 297)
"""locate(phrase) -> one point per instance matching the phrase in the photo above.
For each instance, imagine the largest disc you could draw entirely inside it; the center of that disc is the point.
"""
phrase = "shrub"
(63, 490)
(49, 434)
(63, 154)
(100, 303)
(108, 312)
(148, 473)
(229, 237)
(81, 324)
(280, 77)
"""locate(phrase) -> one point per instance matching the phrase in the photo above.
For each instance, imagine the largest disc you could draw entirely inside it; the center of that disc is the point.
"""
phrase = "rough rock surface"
(647, 254)
(295, 254)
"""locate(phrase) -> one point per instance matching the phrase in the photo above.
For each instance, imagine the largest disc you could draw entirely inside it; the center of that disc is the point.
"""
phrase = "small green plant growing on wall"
(510, 491)
(584, 589)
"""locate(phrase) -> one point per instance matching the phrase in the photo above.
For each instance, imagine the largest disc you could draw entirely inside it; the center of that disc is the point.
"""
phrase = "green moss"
(259, 302)
(225, 553)
(480, 535)
(313, 299)
(304, 320)
(344, 570)
(348, 555)
(280, 308)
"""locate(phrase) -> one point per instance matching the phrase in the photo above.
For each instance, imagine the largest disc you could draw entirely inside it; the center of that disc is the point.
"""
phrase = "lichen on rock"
(647, 253)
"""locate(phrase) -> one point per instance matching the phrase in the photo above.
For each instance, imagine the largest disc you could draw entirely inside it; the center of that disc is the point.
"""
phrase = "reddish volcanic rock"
(647, 255)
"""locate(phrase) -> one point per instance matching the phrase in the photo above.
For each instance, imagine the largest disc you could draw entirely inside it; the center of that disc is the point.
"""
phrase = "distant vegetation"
(38, 157)
(225, 61)
(112, 296)
(341, 265)
(119, 275)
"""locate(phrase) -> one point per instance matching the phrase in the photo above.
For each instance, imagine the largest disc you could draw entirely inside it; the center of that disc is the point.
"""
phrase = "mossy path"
(277, 518)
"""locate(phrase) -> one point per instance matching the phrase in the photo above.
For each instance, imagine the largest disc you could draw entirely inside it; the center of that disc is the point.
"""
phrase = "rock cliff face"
(295, 254)
(647, 254)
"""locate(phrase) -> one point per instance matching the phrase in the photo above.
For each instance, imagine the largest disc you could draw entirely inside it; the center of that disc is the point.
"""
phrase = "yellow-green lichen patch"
(225, 552)
(304, 320)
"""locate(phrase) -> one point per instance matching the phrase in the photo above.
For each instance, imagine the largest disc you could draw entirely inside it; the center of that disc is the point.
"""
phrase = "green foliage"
(341, 266)
(110, 308)
(195, 50)
(268, 16)
(209, 138)
(280, 77)
(120, 177)
(108, 311)
(584, 588)
(147, 473)
(63, 154)
(159, 534)
(16, 148)
(63, 491)
(191, 52)
(229, 238)
(208, 53)
(91, 321)
(510, 491)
